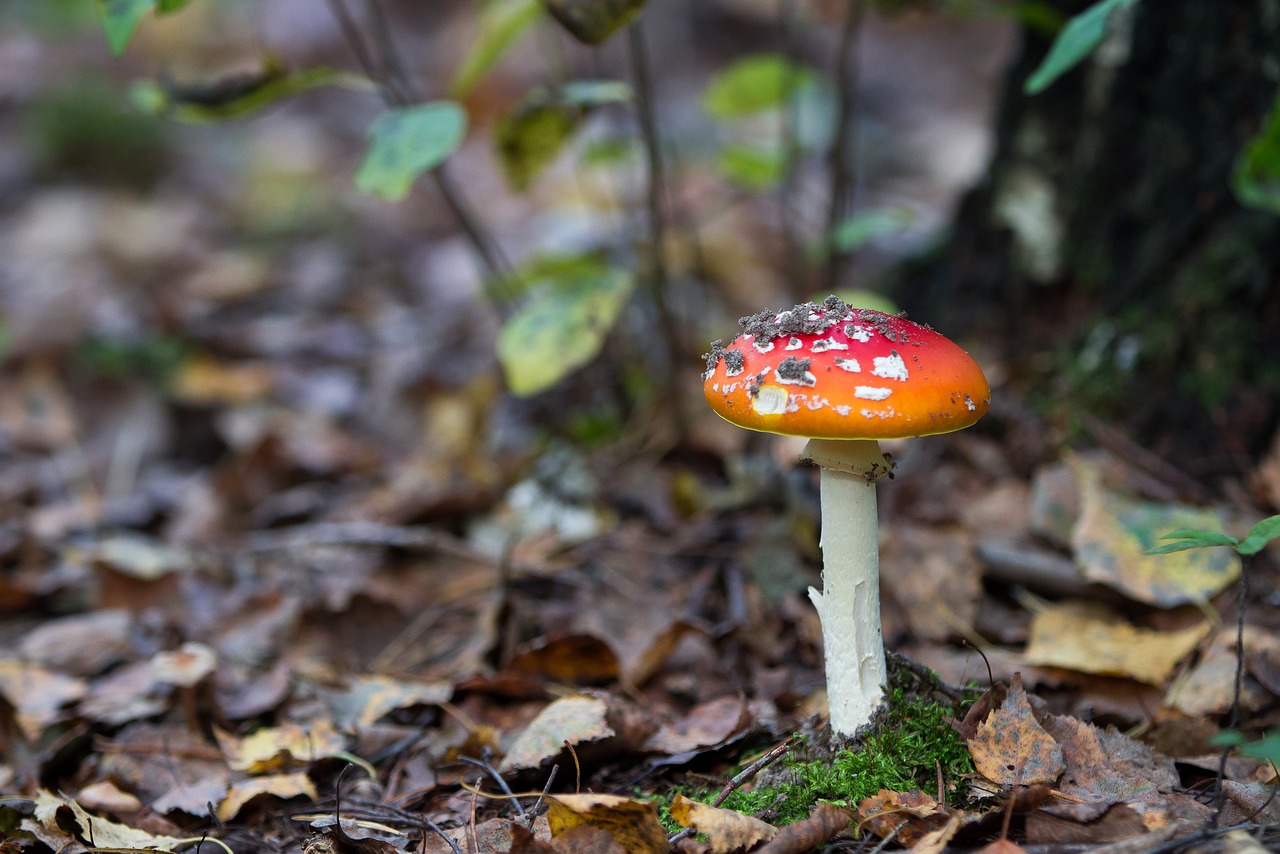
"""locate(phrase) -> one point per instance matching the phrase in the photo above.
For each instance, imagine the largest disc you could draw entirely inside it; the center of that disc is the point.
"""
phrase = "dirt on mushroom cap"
(833, 371)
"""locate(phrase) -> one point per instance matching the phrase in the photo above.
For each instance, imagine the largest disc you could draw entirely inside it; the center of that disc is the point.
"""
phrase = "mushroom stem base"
(849, 604)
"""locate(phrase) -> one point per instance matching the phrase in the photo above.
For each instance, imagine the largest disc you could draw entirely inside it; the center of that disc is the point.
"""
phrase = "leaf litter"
(269, 516)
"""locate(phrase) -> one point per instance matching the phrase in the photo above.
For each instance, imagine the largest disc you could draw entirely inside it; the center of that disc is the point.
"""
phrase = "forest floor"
(283, 567)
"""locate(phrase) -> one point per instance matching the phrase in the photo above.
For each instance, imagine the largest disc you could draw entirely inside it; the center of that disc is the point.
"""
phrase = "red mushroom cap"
(830, 371)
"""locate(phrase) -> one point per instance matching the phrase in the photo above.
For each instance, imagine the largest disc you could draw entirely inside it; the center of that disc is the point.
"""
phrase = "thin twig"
(397, 92)
(1233, 721)
(659, 279)
(497, 778)
(743, 776)
(790, 144)
(537, 805)
(843, 164)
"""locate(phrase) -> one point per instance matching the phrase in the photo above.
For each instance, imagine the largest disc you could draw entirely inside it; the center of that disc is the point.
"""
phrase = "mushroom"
(845, 377)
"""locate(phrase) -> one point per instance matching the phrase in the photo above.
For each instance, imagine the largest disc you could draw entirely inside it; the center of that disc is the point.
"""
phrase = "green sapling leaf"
(1266, 748)
(1082, 34)
(1192, 539)
(406, 142)
(570, 309)
(754, 84)
(502, 23)
(1256, 179)
(1259, 535)
(120, 18)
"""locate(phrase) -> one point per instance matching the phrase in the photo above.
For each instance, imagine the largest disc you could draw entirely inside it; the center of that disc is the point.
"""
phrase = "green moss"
(905, 753)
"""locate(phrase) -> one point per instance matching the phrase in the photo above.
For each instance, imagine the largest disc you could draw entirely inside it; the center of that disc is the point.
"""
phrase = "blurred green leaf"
(120, 18)
(1189, 539)
(1082, 34)
(572, 305)
(502, 23)
(595, 93)
(1266, 748)
(751, 167)
(860, 229)
(236, 96)
(407, 142)
(1256, 181)
(753, 84)
(165, 7)
(1259, 535)
(593, 21)
(531, 137)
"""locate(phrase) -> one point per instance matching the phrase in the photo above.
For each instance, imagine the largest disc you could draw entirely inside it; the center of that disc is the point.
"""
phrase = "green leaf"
(407, 142)
(1078, 38)
(1259, 535)
(1192, 539)
(166, 7)
(593, 21)
(120, 18)
(1256, 180)
(502, 23)
(753, 84)
(233, 97)
(571, 306)
(531, 137)
(1267, 748)
(595, 93)
(860, 229)
(751, 167)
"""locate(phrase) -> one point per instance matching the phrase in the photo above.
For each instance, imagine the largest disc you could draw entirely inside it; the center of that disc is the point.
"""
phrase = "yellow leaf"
(726, 830)
(632, 824)
(1093, 640)
(282, 786)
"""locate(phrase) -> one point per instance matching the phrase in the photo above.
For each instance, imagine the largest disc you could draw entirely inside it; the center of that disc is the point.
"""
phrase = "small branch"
(1220, 793)
(387, 70)
(659, 283)
(790, 144)
(843, 165)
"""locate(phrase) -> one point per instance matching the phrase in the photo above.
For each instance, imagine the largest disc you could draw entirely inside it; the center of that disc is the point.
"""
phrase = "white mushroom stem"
(849, 604)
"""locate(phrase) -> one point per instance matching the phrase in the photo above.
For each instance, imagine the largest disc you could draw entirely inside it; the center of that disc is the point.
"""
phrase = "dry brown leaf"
(707, 726)
(37, 695)
(274, 748)
(907, 816)
(580, 719)
(1113, 534)
(1011, 748)
(577, 659)
(58, 813)
(1092, 639)
(632, 824)
(726, 830)
(1209, 687)
(81, 645)
(1108, 766)
(933, 577)
(936, 841)
(368, 698)
(825, 822)
(283, 786)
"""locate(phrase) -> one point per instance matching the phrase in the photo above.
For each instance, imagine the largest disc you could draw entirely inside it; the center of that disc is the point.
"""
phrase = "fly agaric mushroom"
(845, 377)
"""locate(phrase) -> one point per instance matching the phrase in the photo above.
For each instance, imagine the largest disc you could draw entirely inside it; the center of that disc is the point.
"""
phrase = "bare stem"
(386, 68)
(659, 282)
(843, 161)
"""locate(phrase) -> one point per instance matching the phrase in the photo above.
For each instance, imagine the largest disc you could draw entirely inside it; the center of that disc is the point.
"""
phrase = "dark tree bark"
(1105, 242)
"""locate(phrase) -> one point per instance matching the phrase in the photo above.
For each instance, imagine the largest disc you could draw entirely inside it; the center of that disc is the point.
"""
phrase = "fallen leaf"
(283, 786)
(369, 698)
(1112, 536)
(36, 694)
(580, 719)
(206, 381)
(274, 748)
(825, 822)
(906, 816)
(1108, 766)
(58, 813)
(632, 824)
(1091, 639)
(726, 830)
(1011, 748)
(933, 577)
(707, 726)
(80, 645)
(576, 659)
(1209, 687)
(936, 841)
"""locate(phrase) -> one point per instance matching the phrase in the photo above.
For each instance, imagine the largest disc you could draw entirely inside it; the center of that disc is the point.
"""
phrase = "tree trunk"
(1106, 233)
